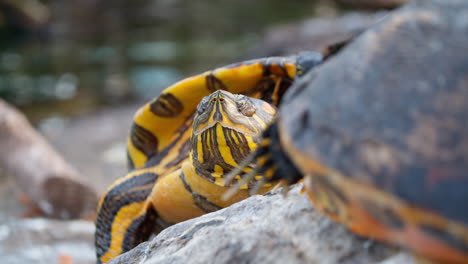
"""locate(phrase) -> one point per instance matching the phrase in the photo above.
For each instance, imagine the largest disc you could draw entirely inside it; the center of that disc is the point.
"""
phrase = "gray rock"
(46, 241)
(262, 229)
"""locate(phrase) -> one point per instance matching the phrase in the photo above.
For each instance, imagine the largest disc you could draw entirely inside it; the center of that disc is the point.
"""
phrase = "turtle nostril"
(215, 99)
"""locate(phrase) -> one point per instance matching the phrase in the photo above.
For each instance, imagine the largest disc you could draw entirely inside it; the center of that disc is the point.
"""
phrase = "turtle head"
(243, 114)
(226, 128)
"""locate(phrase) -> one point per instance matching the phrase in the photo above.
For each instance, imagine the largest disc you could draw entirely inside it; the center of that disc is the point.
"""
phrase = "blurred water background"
(70, 57)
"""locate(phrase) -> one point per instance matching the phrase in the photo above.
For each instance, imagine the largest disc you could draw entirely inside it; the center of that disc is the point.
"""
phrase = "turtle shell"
(381, 133)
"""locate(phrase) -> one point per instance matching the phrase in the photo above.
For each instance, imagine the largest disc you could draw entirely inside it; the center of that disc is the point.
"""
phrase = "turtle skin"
(178, 154)
(383, 149)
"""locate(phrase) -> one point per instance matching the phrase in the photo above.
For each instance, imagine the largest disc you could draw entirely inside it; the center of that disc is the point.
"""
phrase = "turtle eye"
(244, 105)
(241, 101)
(201, 107)
(240, 104)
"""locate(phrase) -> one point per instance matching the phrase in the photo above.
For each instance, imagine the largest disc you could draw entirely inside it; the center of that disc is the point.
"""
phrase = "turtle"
(381, 144)
(183, 143)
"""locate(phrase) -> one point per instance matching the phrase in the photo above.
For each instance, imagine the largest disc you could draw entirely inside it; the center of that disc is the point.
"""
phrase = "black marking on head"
(451, 239)
(213, 84)
(133, 190)
(218, 116)
(236, 142)
(143, 140)
(383, 215)
(167, 105)
(238, 150)
(200, 201)
(211, 154)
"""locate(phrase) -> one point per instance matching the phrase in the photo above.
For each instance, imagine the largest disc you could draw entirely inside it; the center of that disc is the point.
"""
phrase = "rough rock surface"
(261, 229)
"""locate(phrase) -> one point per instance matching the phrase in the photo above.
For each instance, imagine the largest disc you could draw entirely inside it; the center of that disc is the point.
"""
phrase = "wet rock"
(47, 241)
(261, 229)
(313, 34)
